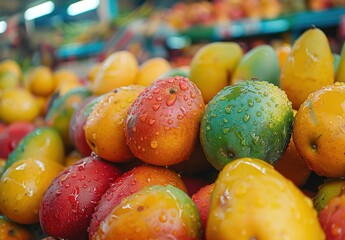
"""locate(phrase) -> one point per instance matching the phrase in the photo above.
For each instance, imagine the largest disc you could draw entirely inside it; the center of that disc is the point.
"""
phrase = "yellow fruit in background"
(151, 69)
(251, 200)
(117, 70)
(22, 187)
(8, 80)
(18, 104)
(283, 52)
(64, 76)
(42, 104)
(308, 67)
(11, 66)
(40, 81)
(213, 65)
(93, 72)
(67, 86)
(71, 158)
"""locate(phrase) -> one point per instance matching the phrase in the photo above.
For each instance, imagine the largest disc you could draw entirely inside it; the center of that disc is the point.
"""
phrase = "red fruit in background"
(202, 200)
(11, 135)
(76, 128)
(131, 182)
(2, 127)
(70, 200)
(162, 125)
(332, 218)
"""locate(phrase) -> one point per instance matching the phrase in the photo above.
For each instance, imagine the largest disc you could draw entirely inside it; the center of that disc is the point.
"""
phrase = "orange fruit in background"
(119, 69)
(18, 104)
(152, 69)
(10, 230)
(283, 52)
(292, 165)
(40, 81)
(104, 127)
(93, 72)
(65, 80)
(71, 158)
(319, 131)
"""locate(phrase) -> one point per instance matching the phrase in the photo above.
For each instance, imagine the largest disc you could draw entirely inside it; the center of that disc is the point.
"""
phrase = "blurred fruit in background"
(213, 65)
(18, 104)
(260, 63)
(40, 82)
(11, 136)
(117, 70)
(11, 66)
(151, 69)
(65, 80)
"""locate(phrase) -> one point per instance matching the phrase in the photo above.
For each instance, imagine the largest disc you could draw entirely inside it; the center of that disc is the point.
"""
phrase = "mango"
(117, 70)
(155, 212)
(151, 69)
(251, 200)
(249, 119)
(61, 111)
(309, 66)
(43, 143)
(212, 67)
(260, 62)
(326, 191)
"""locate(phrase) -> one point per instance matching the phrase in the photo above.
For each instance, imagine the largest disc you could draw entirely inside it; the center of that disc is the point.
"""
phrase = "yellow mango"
(251, 200)
(212, 67)
(117, 70)
(308, 67)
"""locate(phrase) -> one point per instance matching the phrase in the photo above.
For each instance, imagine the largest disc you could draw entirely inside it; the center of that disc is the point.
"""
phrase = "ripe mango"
(43, 143)
(212, 66)
(251, 200)
(261, 63)
(61, 112)
(309, 66)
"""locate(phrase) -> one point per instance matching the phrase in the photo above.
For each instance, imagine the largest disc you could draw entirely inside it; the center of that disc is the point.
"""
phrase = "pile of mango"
(219, 149)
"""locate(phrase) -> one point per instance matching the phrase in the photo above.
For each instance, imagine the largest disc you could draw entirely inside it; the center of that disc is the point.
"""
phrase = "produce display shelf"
(294, 23)
(79, 50)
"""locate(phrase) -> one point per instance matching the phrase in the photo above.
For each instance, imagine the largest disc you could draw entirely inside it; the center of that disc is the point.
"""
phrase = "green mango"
(327, 191)
(175, 72)
(336, 61)
(61, 112)
(251, 200)
(260, 63)
(340, 73)
(43, 143)
(249, 119)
